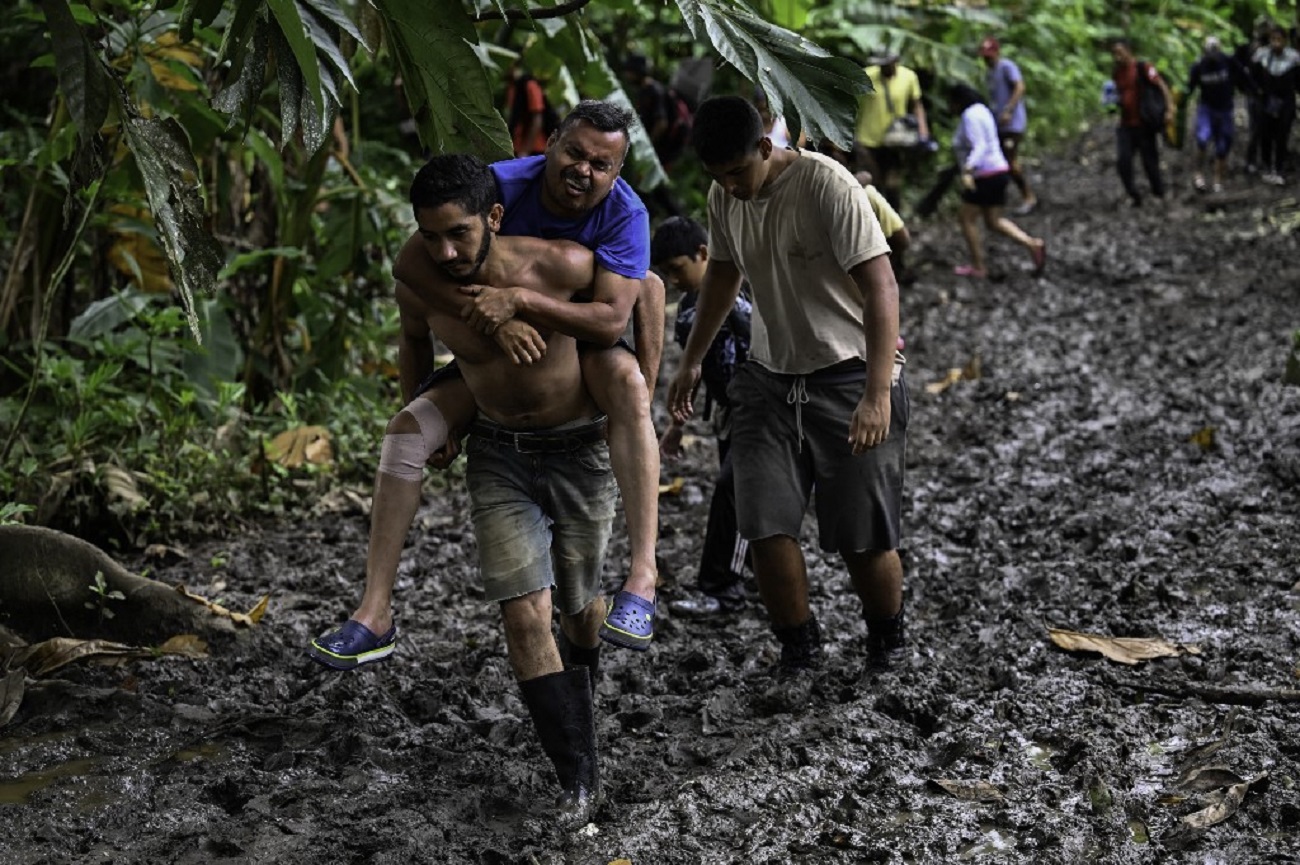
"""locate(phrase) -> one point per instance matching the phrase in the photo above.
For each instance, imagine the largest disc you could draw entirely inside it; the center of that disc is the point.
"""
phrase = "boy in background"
(679, 250)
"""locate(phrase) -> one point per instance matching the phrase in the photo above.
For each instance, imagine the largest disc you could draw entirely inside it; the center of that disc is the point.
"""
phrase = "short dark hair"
(677, 236)
(962, 96)
(604, 116)
(454, 177)
(725, 128)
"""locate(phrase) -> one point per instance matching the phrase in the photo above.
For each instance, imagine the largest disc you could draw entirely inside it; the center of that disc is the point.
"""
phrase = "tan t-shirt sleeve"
(853, 229)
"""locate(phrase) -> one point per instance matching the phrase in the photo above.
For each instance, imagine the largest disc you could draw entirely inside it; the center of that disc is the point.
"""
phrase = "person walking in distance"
(1136, 133)
(1006, 91)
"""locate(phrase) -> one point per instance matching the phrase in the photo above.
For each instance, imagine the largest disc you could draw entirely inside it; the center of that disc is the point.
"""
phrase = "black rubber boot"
(561, 708)
(801, 647)
(886, 638)
(576, 656)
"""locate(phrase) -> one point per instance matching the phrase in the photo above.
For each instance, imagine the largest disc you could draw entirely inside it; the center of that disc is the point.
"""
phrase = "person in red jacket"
(1131, 76)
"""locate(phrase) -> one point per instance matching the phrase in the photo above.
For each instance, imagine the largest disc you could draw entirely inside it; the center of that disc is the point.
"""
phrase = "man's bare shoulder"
(413, 265)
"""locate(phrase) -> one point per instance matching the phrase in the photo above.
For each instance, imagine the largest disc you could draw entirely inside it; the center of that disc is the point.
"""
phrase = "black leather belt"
(540, 441)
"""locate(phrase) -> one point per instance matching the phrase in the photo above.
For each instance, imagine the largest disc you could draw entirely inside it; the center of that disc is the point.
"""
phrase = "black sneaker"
(886, 640)
(801, 648)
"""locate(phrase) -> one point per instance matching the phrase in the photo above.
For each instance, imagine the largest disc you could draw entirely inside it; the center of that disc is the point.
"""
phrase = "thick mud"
(1125, 463)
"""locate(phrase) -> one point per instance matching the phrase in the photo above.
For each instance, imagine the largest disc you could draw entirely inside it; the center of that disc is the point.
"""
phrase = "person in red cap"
(1006, 90)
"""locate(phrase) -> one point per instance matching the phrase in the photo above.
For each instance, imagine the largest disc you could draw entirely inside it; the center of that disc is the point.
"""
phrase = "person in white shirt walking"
(985, 174)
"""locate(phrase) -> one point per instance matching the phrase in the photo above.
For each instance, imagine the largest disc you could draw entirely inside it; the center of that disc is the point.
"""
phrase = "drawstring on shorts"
(798, 397)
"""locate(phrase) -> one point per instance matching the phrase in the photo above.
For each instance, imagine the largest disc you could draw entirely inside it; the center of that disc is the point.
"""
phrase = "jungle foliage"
(204, 198)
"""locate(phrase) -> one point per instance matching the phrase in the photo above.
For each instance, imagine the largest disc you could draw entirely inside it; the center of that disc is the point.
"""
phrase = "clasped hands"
(492, 313)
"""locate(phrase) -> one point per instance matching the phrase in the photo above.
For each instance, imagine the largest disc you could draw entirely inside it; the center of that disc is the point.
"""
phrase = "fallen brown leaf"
(1125, 650)
(673, 488)
(252, 617)
(305, 444)
(12, 687)
(44, 658)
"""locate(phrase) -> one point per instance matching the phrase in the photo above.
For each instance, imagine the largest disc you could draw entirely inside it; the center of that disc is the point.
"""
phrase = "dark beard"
(483, 249)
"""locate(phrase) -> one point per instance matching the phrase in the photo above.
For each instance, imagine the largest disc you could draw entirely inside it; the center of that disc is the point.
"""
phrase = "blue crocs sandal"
(630, 622)
(350, 645)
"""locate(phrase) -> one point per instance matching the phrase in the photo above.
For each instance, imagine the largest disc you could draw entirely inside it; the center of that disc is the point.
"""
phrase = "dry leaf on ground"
(1125, 650)
(969, 791)
(252, 617)
(57, 652)
(305, 444)
(12, 687)
(673, 488)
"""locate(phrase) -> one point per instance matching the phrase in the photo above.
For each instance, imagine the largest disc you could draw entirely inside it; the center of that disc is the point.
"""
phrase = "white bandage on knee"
(403, 455)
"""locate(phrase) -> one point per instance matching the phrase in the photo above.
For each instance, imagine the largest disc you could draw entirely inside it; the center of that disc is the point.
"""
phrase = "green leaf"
(82, 78)
(291, 86)
(294, 31)
(239, 98)
(235, 39)
(171, 179)
(326, 45)
(220, 357)
(823, 89)
(446, 86)
(200, 11)
(105, 315)
(330, 10)
(248, 259)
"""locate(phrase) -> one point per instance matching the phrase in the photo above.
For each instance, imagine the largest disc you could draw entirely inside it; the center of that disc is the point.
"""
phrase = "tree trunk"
(49, 580)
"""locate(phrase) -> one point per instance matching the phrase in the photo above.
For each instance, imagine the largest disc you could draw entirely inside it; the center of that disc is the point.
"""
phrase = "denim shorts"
(542, 520)
(789, 435)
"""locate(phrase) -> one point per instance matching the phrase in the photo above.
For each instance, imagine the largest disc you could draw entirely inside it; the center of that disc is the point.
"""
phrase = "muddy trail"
(1120, 458)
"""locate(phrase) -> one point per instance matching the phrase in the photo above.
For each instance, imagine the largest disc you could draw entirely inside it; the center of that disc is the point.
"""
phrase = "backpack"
(1151, 100)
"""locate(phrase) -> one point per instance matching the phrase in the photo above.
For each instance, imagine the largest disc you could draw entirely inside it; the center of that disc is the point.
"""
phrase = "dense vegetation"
(203, 199)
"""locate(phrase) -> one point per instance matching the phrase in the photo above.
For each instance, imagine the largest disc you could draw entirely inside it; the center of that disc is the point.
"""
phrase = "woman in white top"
(985, 174)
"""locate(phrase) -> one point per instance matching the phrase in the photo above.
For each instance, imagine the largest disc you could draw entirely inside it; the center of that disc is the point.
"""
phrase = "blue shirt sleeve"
(623, 246)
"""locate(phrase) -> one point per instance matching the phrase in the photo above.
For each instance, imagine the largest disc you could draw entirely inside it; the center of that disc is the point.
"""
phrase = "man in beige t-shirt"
(821, 401)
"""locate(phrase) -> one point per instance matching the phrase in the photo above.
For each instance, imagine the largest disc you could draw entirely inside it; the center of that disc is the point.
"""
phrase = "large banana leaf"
(814, 90)
(444, 80)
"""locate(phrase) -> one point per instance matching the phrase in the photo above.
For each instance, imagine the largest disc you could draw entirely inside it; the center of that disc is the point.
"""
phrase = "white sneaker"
(1275, 179)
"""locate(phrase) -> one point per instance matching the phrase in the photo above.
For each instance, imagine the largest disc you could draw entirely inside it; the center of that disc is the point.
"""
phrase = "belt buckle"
(521, 445)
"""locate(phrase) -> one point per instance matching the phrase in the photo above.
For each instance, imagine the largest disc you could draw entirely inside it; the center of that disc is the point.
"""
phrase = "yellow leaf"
(188, 645)
(245, 619)
(1125, 650)
(1203, 438)
(673, 488)
(304, 444)
(135, 254)
(255, 614)
(953, 376)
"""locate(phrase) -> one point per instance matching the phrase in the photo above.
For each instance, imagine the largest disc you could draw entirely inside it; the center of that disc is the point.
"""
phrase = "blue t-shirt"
(1002, 80)
(617, 231)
